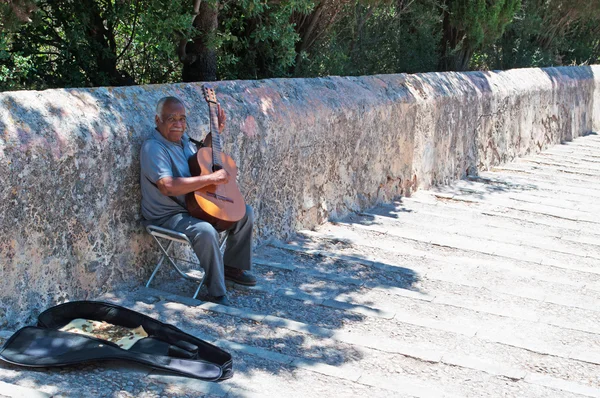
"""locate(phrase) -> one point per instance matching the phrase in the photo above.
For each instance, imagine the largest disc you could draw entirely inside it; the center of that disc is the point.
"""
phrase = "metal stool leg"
(169, 259)
(223, 243)
(162, 258)
(199, 286)
(174, 236)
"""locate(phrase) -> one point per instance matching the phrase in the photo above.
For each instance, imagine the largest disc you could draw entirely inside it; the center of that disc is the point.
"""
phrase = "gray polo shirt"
(160, 158)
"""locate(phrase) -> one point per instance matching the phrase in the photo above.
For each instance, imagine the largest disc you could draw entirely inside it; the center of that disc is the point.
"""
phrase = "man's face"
(172, 123)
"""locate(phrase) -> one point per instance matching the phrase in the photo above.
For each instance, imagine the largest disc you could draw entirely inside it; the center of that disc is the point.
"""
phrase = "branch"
(196, 8)
(364, 19)
(181, 53)
(311, 26)
(137, 9)
(325, 28)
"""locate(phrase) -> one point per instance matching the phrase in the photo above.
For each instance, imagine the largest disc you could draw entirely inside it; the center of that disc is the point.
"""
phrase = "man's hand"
(221, 117)
(220, 177)
(170, 186)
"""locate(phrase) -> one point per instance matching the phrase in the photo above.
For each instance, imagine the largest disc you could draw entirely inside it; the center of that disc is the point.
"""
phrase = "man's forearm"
(183, 185)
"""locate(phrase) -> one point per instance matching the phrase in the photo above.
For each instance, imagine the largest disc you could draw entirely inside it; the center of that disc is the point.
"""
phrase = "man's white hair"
(161, 103)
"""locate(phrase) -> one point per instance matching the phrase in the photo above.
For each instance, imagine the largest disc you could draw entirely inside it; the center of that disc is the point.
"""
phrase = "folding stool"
(177, 237)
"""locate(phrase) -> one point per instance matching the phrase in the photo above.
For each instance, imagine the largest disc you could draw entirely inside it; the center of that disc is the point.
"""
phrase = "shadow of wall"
(307, 149)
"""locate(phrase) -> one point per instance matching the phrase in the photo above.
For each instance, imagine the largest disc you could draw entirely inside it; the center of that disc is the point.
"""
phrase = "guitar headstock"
(209, 94)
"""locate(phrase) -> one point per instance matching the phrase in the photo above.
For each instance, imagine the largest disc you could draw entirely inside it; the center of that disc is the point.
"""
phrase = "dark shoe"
(222, 300)
(239, 276)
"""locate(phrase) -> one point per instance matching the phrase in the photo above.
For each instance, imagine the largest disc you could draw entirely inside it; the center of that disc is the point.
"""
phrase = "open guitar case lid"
(166, 347)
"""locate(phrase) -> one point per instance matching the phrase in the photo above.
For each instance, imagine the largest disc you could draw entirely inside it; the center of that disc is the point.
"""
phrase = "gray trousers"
(205, 240)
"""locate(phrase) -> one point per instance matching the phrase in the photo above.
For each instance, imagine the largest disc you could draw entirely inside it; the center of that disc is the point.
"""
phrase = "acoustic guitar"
(221, 205)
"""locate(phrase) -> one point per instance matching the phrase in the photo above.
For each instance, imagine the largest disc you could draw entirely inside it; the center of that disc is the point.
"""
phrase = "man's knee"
(203, 233)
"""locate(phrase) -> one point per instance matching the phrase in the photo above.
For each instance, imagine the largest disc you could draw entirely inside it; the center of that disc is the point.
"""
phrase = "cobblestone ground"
(486, 288)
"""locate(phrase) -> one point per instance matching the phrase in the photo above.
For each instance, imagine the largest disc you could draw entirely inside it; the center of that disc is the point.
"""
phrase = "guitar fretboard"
(216, 136)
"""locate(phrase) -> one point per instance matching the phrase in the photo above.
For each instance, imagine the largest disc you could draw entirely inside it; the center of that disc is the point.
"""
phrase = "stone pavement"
(487, 288)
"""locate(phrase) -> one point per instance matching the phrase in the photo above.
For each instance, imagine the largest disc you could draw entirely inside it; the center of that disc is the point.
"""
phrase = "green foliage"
(481, 21)
(546, 33)
(94, 43)
(470, 24)
(381, 38)
(66, 43)
(256, 40)
(14, 68)
(151, 55)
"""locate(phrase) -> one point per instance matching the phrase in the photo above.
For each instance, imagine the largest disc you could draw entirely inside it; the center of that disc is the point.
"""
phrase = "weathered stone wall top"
(307, 149)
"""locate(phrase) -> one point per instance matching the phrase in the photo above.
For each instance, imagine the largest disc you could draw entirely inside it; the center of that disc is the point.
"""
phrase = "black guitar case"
(166, 347)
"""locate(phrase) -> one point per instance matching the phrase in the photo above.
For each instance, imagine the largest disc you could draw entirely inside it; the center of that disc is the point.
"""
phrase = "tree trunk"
(102, 41)
(198, 56)
(311, 27)
(451, 58)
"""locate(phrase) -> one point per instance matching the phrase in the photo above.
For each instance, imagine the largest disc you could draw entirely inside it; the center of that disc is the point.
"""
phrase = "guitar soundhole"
(216, 167)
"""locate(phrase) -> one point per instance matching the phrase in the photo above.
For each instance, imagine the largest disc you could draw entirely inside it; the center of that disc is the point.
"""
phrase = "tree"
(72, 43)
(470, 24)
(378, 37)
(199, 56)
(240, 39)
(560, 17)
(314, 25)
(546, 33)
(65, 43)
(256, 39)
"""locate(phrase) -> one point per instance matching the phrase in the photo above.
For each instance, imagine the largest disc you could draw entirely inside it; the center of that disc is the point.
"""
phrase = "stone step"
(377, 300)
(508, 220)
(571, 155)
(488, 246)
(496, 276)
(484, 187)
(511, 210)
(370, 349)
(580, 146)
(558, 173)
(580, 160)
(101, 379)
(592, 168)
(423, 281)
(541, 172)
(572, 232)
(454, 318)
(580, 174)
(415, 243)
(582, 143)
(551, 198)
(430, 222)
(558, 164)
(572, 152)
(565, 159)
(548, 182)
(455, 214)
(588, 219)
(494, 248)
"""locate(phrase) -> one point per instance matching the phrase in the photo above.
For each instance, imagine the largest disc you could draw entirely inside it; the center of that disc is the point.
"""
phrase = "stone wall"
(307, 149)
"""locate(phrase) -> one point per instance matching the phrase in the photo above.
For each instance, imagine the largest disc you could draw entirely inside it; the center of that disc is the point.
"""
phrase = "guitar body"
(221, 205)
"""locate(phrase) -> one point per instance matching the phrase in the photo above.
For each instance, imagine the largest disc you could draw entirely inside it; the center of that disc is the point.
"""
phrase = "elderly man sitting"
(166, 179)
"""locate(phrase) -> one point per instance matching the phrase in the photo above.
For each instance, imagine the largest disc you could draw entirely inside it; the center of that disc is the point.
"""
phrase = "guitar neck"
(216, 136)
